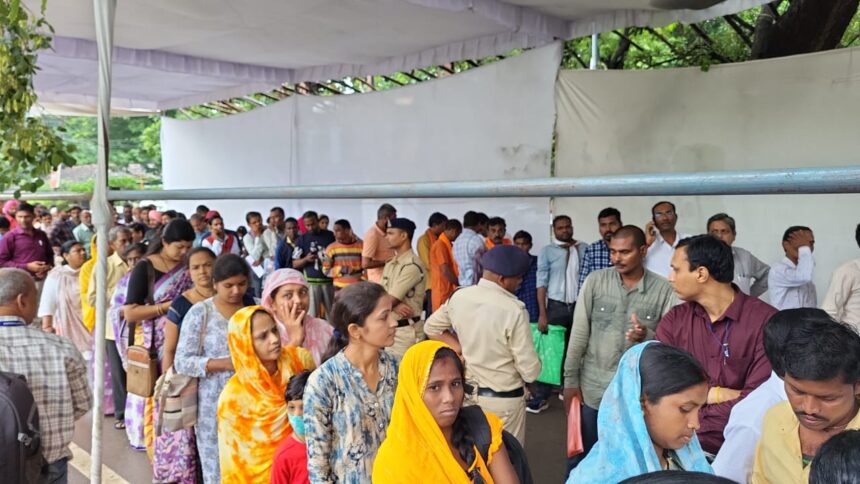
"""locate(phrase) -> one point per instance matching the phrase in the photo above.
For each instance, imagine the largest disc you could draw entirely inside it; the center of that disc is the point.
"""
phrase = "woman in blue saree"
(648, 417)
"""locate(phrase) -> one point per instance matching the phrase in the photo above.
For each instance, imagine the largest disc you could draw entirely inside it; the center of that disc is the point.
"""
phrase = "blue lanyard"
(724, 344)
(10, 323)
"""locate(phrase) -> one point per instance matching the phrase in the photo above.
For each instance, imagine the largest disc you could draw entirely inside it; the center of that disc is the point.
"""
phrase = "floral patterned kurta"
(345, 422)
(188, 362)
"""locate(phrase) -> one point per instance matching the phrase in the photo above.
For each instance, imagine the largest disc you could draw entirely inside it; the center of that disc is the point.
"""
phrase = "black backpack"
(480, 430)
(20, 438)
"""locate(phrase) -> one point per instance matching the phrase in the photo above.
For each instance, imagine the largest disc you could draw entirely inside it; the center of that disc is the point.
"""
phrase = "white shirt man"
(790, 279)
(842, 301)
(736, 456)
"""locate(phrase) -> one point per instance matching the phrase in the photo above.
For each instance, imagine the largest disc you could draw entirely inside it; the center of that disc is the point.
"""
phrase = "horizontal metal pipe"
(755, 182)
(71, 196)
(845, 179)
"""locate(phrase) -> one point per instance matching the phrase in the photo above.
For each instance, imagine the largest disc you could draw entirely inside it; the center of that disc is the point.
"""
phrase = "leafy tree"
(29, 149)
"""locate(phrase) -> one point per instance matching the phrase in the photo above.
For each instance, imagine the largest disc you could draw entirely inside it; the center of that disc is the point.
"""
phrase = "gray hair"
(13, 283)
(721, 217)
(115, 231)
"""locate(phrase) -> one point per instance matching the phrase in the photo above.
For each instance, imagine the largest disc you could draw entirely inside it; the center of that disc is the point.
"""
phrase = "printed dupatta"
(68, 319)
(252, 413)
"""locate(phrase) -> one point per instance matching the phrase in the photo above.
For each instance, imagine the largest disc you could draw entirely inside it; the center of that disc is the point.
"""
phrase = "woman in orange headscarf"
(252, 413)
(427, 439)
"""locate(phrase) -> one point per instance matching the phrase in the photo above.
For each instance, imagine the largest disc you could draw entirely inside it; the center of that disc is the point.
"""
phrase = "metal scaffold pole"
(104, 11)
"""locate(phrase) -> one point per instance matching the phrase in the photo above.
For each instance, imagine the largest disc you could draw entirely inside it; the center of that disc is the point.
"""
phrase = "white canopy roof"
(177, 53)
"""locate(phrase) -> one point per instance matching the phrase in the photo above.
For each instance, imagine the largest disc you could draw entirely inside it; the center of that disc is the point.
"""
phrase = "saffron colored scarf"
(252, 412)
(414, 449)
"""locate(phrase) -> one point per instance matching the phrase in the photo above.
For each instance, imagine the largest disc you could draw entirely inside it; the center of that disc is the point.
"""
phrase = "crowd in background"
(409, 355)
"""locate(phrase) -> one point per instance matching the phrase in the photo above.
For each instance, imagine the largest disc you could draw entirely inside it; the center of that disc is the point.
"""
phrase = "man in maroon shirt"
(720, 326)
(27, 247)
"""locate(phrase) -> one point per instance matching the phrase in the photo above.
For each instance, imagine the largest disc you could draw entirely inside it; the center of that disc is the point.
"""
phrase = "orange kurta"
(490, 244)
(441, 288)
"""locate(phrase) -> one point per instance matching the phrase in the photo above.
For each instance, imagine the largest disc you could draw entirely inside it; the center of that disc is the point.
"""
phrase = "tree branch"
(708, 40)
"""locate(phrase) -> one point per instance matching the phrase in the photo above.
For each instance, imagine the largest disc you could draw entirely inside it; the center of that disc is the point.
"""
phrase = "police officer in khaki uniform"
(404, 279)
(489, 327)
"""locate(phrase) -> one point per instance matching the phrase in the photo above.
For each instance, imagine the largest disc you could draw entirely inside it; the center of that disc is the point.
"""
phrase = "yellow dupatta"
(252, 412)
(414, 449)
(89, 312)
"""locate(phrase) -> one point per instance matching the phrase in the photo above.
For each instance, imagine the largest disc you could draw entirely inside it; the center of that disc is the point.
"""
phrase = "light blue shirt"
(552, 269)
(466, 248)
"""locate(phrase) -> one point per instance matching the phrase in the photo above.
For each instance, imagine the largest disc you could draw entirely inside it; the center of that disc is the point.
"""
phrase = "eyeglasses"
(667, 213)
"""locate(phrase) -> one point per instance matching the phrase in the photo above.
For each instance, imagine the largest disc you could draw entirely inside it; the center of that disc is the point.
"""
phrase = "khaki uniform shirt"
(493, 328)
(600, 323)
(403, 278)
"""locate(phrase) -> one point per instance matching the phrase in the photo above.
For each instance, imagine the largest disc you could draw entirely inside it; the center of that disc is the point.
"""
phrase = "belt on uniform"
(489, 392)
(406, 322)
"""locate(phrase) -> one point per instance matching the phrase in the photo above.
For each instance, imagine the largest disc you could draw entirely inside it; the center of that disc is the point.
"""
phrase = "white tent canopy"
(171, 54)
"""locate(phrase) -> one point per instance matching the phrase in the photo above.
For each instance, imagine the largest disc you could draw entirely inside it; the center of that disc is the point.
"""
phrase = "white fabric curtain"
(490, 123)
(783, 113)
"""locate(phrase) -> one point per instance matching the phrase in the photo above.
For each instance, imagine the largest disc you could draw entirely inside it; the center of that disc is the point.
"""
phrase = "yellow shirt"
(778, 458)
(116, 268)
(425, 243)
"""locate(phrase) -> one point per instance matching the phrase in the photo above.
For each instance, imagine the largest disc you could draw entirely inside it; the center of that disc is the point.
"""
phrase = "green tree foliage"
(132, 140)
(775, 29)
(29, 149)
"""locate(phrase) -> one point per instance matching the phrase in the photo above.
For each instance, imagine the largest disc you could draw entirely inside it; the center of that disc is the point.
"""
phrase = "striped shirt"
(343, 263)
(56, 374)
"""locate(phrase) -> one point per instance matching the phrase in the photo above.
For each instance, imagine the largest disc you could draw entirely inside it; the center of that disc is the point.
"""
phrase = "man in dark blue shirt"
(308, 251)
(527, 292)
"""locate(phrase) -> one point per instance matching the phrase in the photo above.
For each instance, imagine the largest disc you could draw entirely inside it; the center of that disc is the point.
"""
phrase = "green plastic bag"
(550, 350)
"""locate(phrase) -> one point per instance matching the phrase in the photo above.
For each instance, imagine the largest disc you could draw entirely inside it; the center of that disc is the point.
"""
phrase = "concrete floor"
(545, 446)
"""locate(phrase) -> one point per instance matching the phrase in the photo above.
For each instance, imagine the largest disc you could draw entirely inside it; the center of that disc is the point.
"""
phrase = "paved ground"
(545, 445)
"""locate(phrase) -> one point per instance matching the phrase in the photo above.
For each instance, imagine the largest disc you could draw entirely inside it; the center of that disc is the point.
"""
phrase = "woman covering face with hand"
(648, 417)
(287, 297)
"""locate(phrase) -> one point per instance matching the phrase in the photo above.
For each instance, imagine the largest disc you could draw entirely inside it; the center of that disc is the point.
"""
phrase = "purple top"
(18, 248)
(687, 326)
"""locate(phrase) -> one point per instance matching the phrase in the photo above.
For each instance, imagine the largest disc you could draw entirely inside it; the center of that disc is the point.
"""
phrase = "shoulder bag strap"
(150, 276)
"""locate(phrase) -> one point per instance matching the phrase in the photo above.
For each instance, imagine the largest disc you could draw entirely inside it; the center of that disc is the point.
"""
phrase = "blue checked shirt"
(527, 292)
(596, 257)
(466, 249)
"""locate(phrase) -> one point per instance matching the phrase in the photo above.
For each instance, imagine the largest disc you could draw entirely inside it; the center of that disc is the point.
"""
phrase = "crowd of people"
(302, 354)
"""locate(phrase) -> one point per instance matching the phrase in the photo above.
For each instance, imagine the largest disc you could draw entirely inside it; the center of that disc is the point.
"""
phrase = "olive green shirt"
(403, 278)
(600, 323)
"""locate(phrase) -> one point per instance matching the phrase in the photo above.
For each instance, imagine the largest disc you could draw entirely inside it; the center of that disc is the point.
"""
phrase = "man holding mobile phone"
(661, 237)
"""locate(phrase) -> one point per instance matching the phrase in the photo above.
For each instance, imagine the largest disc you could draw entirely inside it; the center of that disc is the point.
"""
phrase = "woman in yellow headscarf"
(252, 412)
(427, 439)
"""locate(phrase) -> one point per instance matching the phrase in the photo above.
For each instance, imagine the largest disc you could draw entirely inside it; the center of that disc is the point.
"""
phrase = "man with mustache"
(822, 381)
(596, 255)
(662, 238)
(618, 307)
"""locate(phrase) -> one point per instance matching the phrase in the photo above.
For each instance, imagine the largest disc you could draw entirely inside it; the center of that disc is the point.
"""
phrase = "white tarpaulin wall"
(789, 112)
(171, 54)
(494, 122)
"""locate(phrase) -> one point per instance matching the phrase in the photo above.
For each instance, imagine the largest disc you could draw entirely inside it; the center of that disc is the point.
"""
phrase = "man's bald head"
(17, 294)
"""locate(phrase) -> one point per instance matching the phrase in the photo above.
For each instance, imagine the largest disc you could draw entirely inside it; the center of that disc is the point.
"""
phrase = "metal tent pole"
(104, 11)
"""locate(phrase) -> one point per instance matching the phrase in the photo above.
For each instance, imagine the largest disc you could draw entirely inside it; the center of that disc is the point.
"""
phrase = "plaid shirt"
(56, 374)
(596, 257)
(527, 292)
